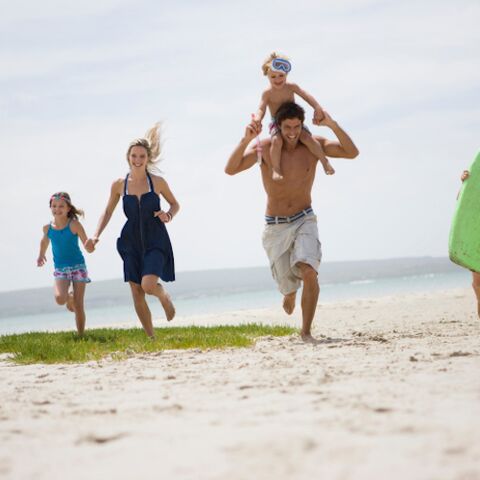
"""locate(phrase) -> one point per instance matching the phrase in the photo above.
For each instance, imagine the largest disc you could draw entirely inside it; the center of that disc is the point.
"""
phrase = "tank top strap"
(125, 185)
(150, 182)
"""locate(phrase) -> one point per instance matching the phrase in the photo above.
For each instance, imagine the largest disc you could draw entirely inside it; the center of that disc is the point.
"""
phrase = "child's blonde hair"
(152, 144)
(267, 64)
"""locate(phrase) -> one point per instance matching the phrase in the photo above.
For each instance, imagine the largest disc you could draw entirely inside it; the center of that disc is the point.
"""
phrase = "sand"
(392, 390)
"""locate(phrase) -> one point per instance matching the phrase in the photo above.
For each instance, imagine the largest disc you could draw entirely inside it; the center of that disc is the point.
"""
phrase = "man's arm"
(242, 158)
(344, 147)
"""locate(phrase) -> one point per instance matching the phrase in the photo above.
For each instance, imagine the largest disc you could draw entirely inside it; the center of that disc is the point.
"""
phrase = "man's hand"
(327, 120)
(318, 116)
(465, 175)
(252, 130)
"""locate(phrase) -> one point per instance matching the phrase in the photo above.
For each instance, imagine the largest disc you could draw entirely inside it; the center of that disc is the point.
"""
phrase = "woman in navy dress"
(144, 244)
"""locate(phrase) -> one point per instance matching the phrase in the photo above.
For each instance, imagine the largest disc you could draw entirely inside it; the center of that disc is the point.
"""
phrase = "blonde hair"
(151, 142)
(267, 64)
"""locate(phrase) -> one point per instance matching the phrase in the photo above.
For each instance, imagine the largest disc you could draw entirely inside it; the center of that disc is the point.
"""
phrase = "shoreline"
(390, 391)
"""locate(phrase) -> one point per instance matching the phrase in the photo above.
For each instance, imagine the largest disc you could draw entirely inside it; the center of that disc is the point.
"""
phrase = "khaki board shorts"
(286, 245)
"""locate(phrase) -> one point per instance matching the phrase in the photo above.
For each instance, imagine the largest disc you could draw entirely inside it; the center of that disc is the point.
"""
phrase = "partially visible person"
(475, 275)
(70, 269)
(276, 68)
(144, 243)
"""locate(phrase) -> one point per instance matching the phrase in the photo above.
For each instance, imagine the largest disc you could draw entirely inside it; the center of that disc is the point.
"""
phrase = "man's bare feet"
(289, 303)
(70, 304)
(167, 304)
(307, 337)
(276, 175)
(327, 167)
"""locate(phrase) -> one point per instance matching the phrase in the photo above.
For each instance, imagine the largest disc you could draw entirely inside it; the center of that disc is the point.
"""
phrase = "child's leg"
(151, 286)
(142, 309)
(275, 154)
(60, 290)
(314, 146)
(476, 289)
(78, 296)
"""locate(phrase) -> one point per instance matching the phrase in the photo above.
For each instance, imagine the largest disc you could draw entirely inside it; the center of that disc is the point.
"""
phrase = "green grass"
(64, 347)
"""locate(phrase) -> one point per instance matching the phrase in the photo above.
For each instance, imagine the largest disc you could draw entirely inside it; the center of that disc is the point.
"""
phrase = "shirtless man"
(291, 235)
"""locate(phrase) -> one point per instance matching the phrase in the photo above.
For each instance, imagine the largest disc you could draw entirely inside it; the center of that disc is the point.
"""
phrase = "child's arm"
(262, 108)
(77, 228)
(318, 112)
(44, 243)
(164, 190)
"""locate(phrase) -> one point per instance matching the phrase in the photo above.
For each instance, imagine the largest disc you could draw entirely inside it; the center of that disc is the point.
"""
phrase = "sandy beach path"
(391, 390)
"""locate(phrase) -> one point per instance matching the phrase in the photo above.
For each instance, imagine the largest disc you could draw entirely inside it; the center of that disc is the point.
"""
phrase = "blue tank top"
(66, 252)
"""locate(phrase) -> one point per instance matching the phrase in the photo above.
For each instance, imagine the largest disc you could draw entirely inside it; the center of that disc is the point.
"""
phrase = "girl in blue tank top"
(64, 232)
(144, 243)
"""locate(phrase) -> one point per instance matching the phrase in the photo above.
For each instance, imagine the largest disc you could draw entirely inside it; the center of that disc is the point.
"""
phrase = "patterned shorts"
(74, 273)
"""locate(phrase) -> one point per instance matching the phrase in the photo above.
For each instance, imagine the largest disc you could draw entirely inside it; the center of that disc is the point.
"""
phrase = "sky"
(80, 80)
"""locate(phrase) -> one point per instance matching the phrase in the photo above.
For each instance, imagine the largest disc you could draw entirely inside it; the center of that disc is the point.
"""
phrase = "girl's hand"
(465, 175)
(90, 244)
(41, 261)
(165, 217)
(318, 116)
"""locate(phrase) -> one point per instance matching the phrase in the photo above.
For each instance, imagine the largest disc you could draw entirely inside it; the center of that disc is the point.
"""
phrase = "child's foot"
(329, 170)
(167, 304)
(277, 176)
(70, 304)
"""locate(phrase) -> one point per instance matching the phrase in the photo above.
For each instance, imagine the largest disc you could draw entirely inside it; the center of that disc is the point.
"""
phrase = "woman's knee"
(149, 287)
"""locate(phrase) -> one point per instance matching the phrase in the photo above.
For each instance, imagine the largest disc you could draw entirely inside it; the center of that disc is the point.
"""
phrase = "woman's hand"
(165, 217)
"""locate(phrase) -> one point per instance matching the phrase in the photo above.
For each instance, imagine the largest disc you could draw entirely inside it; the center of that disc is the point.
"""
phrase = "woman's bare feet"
(289, 303)
(167, 304)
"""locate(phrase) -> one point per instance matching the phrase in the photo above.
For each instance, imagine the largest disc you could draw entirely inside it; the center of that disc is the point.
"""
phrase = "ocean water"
(216, 291)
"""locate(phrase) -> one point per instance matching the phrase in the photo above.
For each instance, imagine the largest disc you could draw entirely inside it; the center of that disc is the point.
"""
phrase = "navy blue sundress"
(144, 244)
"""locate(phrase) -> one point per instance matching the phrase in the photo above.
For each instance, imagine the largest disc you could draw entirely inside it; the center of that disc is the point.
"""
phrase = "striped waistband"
(276, 220)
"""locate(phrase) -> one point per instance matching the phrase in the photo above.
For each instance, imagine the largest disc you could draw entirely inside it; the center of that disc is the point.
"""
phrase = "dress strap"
(125, 186)
(150, 182)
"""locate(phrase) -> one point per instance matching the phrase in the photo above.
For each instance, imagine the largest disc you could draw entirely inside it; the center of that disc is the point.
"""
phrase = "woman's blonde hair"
(151, 142)
(267, 64)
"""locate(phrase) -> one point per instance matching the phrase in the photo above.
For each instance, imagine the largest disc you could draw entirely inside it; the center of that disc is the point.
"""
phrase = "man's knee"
(308, 273)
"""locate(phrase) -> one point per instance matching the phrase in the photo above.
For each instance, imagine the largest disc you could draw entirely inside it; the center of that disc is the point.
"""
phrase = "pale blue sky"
(78, 82)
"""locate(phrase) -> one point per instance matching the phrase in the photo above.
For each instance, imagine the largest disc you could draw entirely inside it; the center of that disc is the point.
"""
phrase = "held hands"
(326, 121)
(165, 217)
(318, 116)
(90, 244)
(41, 260)
(465, 175)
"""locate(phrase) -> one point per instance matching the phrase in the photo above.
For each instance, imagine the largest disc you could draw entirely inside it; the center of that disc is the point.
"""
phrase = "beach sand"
(392, 390)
